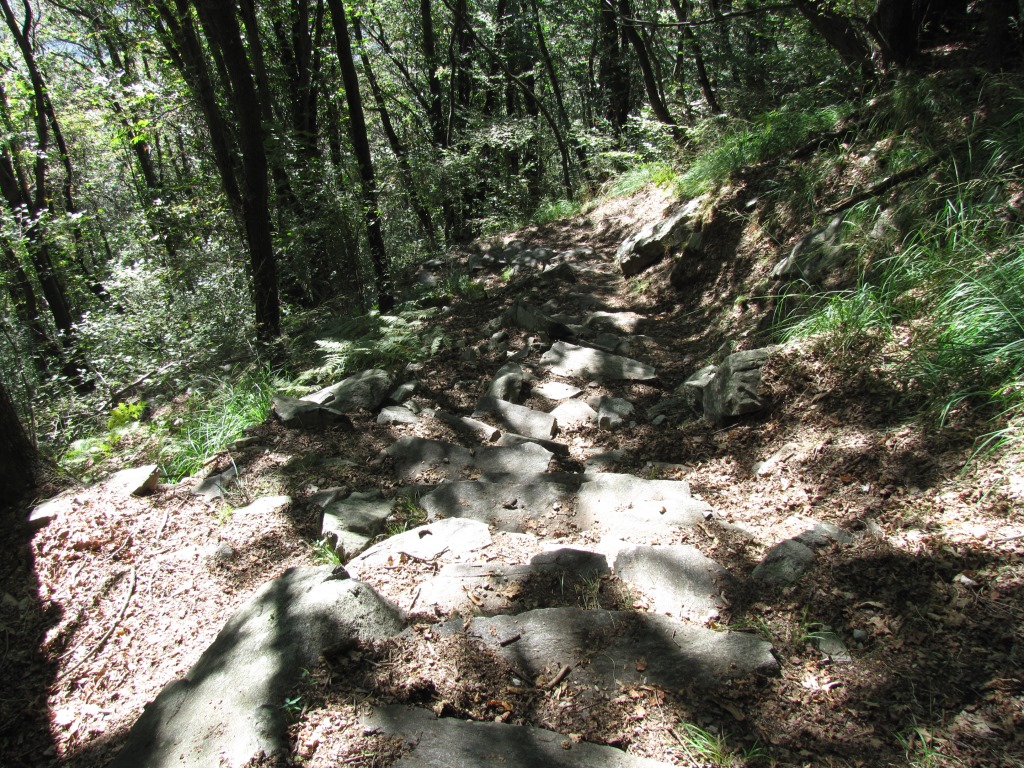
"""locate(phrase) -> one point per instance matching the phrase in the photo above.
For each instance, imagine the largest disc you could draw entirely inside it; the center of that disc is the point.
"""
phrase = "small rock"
(613, 412)
(139, 481)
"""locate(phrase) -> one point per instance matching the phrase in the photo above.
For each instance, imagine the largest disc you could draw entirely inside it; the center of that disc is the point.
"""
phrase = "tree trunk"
(612, 76)
(397, 147)
(364, 158)
(658, 105)
(18, 457)
(225, 35)
(841, 34)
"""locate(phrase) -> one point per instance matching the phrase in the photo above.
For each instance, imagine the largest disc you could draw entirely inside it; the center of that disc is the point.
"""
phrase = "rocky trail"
(602, 529)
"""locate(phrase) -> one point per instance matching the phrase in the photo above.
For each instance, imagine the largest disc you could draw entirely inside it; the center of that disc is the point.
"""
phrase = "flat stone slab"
(678, 580)
(303, 414)
(396, 414)
(612, 648)
(518, 418)
(445, 742)
(137, 481)
(267, 505)
(509, 503)
(366, 390)
(565, 359)
(573, 414)
(353, 522)
(493, 588)
(622, 322)
(631, 508)
(556, 390)
(227, 708)
(456, 537)
(413, 456)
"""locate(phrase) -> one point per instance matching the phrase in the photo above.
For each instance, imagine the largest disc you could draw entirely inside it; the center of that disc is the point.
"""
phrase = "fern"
(376, 340)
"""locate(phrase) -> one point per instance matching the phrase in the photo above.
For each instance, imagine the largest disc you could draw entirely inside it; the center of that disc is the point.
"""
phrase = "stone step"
(434, 742)
(565, 359)
(609, 649)
(520, 503)
(637, 510)
(414, 456)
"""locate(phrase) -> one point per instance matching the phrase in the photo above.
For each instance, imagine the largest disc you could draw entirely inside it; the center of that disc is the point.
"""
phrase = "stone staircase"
(570, 576)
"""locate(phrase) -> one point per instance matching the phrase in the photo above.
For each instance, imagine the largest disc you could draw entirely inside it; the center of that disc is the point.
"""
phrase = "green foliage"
(324, 553)
(707, 748)
(955, 288)
(555, 210)
(635, 179)
(922, 751)
(124, 414)
(376, 340)
(214, 418)
(726, 146)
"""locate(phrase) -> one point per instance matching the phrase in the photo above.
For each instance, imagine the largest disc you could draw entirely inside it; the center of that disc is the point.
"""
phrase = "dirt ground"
(118, 596)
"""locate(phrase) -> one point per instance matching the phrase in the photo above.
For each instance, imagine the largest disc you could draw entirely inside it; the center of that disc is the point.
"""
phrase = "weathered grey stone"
(456, 537)
(507, 384)
(613, 412)
(403, 392)
(653, 242)
(267, 505)
(445, 742)
(633, 509)
(365, 390)
(609, 342)
(138, 481)
(214, 486)
(517, 418)
(471, 427)
(823, 534)
(733, 389)
(44, 513)
(678, 580)
(556, 390)
(509, 503)
(670, 406)
(491, 588)
(784, 563)
(611, 322)
(227, 708)
(522, 315)
(605, 648)
(510, 439)
(692, 390)
(604, 460)
(414, 455)
(303, 414)
(574, 414)
(569, 360)
(682, 275)
(396, 414)
(559, 273)
(815, 254)
(352, 523)
(830, 644)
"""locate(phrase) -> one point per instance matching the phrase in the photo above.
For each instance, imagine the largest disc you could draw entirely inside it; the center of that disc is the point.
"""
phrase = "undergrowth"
(951, 293)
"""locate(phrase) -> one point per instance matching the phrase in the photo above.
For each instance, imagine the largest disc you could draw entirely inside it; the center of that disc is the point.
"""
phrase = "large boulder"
(366, 390)
(733, 391)
(593, 364)
(227, 709)
(652, 243)
(815, 254)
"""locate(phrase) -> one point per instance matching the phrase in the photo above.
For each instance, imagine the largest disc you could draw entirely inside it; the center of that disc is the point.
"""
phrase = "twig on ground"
(110, 630)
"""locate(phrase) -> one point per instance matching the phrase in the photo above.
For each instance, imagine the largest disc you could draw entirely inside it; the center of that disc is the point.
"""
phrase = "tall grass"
(958, 282)
(213, 419)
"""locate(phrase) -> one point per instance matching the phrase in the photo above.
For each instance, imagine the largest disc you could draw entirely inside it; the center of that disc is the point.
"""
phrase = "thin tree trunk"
(658, 106)
(364, 157)
(18, 455)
